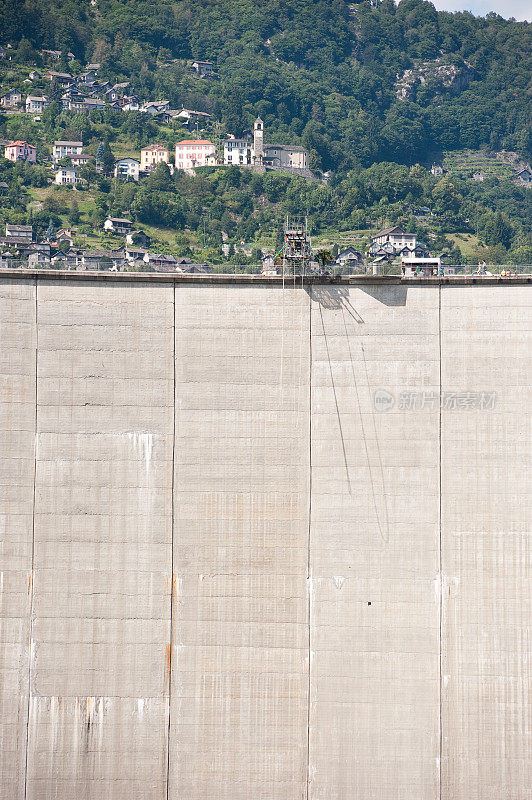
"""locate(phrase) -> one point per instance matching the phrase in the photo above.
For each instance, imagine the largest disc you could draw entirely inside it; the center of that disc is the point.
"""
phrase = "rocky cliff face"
(443, 76)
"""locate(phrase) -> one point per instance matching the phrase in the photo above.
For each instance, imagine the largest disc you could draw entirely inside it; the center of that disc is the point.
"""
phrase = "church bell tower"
(258, 141)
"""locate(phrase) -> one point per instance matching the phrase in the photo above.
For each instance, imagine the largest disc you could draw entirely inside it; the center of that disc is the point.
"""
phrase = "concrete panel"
(233, 519)
(18, 343)
(486, 551)
(374, 545)
(101, 610)
(238, 717)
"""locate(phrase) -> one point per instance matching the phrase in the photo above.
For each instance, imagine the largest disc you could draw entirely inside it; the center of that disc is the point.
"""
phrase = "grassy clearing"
(467, 242)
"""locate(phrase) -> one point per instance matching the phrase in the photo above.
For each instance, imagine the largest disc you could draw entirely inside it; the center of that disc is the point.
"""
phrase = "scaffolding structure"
(297, 252)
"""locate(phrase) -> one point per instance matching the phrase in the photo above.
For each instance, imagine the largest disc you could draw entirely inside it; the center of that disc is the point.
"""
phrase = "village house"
(93, 104)
(137, 238)
(67, 176)
(127, 168)
(134, 253)
(130, 103)
(349, 258)
(152, 155)
(154, 106)
(64, 235)
(188, 117)
(19, 233)
(395, 237)
(160, 261)
(524, 176)
(51, 55)
(63, 78)
(11, 99)
(72, 99)
(62, 149)
(437, 170)
(117, 225)
(21, 151)
(203, 68)
(116, 92)
(35, 104)
(80, 159)
(193, 153)
(69, 260)
(39, 259)
(100, 259)
(237, 151)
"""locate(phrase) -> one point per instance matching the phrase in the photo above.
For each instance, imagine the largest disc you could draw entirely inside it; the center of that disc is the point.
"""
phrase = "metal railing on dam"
(264, 543)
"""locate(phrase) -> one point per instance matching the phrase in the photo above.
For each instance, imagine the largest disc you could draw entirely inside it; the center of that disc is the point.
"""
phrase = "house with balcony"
(155, 107)
(349, 258)
(67, 176)
(161, 261)
(127, 169)
(396, 239)
(19, 233)
(189, 117)
(117, 225)
(62, 149)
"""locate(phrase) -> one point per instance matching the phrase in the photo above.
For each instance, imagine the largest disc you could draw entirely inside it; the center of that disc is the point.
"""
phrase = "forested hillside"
(325, 74)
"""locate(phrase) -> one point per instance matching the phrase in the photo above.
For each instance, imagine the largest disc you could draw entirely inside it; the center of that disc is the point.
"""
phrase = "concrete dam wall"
(264, 543)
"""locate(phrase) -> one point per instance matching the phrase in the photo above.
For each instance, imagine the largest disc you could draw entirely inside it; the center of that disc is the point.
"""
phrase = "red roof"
(20, 144)
(195, 141)
(154, 147)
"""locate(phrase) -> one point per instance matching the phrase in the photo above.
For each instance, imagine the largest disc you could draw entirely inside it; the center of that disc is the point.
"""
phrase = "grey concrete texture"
(264, 542)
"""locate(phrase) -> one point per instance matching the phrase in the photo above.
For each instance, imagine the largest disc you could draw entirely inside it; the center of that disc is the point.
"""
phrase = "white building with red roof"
(194, 153)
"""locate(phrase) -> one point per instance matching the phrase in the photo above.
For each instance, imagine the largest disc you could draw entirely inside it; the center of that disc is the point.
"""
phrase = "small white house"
(117, 225)
(237, 151)
(127, 168)
(67, 176)
(35, 104)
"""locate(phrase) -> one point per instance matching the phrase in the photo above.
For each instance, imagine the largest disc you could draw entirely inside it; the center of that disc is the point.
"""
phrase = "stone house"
(11, 99)
(19, 233)
(203, 68)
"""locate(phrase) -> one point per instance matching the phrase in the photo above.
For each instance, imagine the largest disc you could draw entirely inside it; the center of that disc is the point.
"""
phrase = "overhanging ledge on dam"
(264, 543)
(275, 280)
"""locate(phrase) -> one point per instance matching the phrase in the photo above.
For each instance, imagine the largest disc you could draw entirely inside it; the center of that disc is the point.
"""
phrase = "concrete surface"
(264, 543)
